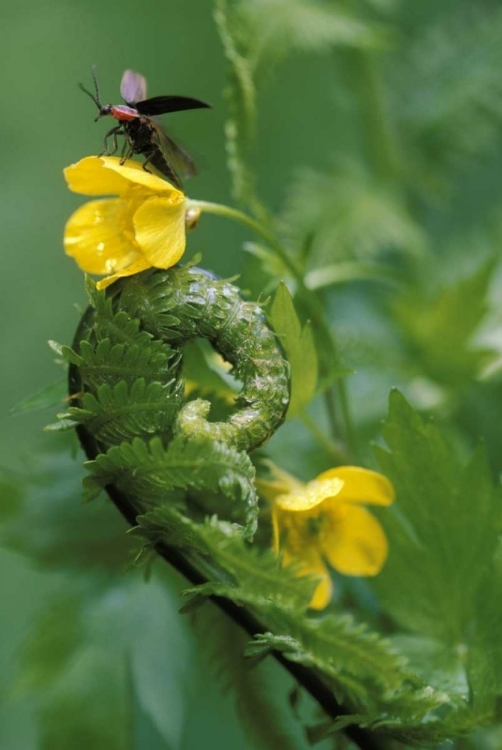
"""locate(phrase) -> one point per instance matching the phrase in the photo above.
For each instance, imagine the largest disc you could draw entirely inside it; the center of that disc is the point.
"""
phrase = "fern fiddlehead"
(127, 390)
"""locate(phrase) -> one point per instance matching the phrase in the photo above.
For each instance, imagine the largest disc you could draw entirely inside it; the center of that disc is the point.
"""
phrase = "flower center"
(315, 525)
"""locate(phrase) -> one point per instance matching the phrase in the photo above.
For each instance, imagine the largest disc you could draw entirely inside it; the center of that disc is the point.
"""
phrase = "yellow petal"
(159, 227)
(94, 236)
(104, 175)
(356, 543)
(282, 483)
(323, 593)
(275, 529)
(133, 172)
(89, 176)
(136, 267)
(313, 565)
(269, 489)
(361, 485)
(310, 495)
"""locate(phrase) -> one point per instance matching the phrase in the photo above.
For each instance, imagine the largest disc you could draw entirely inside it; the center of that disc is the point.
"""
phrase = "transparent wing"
(132, 87)
(176, 156)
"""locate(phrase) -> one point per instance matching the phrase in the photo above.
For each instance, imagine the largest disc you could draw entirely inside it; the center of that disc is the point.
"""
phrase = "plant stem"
(308, 297)
(333, 447)
(198, 571)
(382, 151)
(347, 418)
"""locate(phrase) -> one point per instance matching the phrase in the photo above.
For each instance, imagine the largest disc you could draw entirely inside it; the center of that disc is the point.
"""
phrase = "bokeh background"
(308, 116)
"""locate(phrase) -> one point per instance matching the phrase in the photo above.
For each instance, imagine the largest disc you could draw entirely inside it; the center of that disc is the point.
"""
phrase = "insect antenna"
(94, 97)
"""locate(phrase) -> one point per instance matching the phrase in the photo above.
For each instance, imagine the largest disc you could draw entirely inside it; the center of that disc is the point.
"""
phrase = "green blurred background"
(46, 49)
(307, 116)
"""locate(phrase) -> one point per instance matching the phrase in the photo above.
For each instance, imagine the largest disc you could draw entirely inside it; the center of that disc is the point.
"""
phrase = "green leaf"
(52, 395)
(254, 573)
(484, 654)
(436, 663)
(276, 28)
(48, 524)
(298, 343)
(341, 273)
(121, 412)
(63, 424)
(222, 476)
(334, 645)
(439, 328)
(160, 665)
(106, 363)
(258, 693)
(53, 640)
(201, 372)
(65, 352)
(11, 492)
(349, 214)
(443, 530)
(97, 662)
(83, 711)
(357, 663)
(447, 91)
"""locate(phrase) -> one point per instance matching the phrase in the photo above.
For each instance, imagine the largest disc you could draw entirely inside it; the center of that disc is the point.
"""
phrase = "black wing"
(161, 105)
(132, 87)
(159, 161)
(176, 156)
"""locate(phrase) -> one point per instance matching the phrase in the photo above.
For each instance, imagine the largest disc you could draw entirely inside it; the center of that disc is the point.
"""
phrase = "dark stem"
(305, 677)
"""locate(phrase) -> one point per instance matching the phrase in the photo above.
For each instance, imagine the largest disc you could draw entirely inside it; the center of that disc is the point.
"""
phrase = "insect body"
(142, 134)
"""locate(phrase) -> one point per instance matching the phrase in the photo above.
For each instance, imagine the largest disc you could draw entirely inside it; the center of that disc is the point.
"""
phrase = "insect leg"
(127, 152)
(149, 156)
(113, 133)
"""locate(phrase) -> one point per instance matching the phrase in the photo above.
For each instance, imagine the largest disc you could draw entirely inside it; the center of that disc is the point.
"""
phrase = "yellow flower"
(324, 520)
(143, 227)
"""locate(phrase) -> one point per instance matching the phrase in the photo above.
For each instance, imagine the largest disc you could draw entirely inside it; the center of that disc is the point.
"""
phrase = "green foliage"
(141, 327)
(204, 372)
(439, 327)
(349, 214)
(105, 362)
(50, 396)
(94, 663)
(448, 91)
(377, 247)
(254, 573)
(120, 412)
(149, 471)
(276, 28)
(46, 521)
(444, 547)
(260, 692)
(358, 664)
(442, 550)
(240, 128)
(298, 344)
(73, 660)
